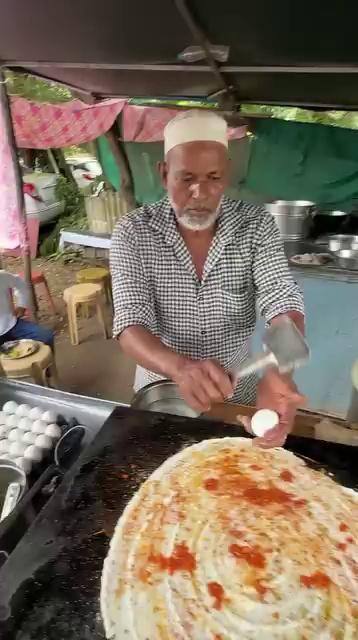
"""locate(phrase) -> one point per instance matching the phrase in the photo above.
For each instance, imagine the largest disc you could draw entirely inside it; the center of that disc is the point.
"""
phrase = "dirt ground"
(96, 367)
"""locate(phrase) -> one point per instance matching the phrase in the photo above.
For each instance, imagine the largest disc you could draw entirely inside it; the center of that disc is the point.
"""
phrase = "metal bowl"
(162, 397)
(10, 472)
(341, 242)
(347, 259)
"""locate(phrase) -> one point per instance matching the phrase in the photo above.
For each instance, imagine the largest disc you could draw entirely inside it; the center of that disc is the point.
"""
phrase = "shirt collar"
(163, 220)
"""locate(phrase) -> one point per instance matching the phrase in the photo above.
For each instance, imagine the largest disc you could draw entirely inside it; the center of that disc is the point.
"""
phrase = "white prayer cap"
(195, 126)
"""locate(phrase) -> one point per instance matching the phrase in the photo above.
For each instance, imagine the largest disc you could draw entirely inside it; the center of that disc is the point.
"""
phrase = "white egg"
(15, 435)
(53, 431)
(25, 424)
(38, 426)
(263, 420)
(3, 430)
(43, 442)
(10, 407)
(23, 410)
(3, 417)
(17, 448)
(28, 437)
(4, 446)
(49, 417)
(12, 421)
(24, 463)
(35, 413)
(33, 453)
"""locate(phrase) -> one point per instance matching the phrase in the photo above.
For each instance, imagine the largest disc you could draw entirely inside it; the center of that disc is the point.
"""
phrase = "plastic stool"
(39, 278)
(98, 275)
(83, 294)
(39, 366)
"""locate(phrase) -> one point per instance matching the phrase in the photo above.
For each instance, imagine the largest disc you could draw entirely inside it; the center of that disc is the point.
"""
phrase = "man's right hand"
(202, 383)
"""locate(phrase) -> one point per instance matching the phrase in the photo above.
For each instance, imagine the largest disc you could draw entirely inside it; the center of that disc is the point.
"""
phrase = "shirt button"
(203, 333)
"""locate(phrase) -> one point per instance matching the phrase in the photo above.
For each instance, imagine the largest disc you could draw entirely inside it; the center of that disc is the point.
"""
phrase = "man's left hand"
(277, 392)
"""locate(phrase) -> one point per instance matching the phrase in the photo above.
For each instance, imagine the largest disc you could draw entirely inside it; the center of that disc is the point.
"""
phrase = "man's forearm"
(148, 351)
(297, 318)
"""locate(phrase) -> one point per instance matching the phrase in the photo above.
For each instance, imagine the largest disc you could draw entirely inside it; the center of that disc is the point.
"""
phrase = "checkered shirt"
(155, 284)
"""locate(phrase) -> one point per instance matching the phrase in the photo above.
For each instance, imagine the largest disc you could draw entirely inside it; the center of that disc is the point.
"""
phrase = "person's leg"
(26, 330)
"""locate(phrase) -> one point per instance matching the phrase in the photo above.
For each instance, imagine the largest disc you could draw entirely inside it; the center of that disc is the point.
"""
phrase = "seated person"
(12, 324)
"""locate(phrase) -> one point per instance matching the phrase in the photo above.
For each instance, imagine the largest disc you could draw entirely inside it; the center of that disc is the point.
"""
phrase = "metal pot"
(10, 473)
(293, 218)
(347, 259)
(162, 397)
(330, 222)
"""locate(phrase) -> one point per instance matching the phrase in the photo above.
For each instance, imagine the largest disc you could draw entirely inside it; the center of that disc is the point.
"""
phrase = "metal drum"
(293, 218)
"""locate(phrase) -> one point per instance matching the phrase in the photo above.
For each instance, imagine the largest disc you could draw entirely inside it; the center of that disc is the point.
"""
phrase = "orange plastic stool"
(39, 278)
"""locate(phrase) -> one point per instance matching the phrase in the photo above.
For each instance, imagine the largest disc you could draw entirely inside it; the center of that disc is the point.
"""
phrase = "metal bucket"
(10, 473)
(162, 397)
(293, 218)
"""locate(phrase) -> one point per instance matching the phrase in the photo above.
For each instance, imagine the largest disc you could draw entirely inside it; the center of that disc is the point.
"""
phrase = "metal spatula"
(284, 347)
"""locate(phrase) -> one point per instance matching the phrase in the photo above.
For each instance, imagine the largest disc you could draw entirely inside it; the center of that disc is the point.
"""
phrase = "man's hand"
(277, 392)
(20, 312)
(202, 383)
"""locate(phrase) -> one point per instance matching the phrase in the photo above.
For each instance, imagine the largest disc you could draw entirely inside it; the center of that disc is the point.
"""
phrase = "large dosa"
(227, 541)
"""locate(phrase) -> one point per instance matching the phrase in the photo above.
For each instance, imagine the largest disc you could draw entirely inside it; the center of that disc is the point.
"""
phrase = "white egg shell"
(3, 417)
(53, 431)
(23, 410)
(4, 446)
(12, 421)
(15, 435)
(28, 437)
(33, 453)
(35, 413)
(10, 407)
(49, 417)
(39, 426)
(25, 424)
(24, 463)
(17, 448)
(263, 420)
(43, 442)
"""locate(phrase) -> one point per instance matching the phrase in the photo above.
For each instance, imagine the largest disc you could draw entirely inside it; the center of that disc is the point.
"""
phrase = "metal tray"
(49, 588)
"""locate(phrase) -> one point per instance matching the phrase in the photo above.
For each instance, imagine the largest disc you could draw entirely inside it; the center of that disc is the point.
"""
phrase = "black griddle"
(49, 587)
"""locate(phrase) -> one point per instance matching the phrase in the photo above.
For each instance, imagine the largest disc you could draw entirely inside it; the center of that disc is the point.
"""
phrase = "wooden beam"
(25, 249)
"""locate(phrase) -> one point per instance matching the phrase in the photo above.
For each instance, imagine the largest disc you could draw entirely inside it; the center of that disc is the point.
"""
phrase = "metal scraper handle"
(251, 365)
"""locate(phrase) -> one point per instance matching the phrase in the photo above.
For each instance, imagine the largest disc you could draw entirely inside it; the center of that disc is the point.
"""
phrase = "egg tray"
(27, 434)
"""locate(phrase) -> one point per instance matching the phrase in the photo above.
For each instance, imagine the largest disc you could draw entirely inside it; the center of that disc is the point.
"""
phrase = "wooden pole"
(26, 254)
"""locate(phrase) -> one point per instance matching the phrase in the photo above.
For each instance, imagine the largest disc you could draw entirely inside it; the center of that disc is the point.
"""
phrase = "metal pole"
(25, 248)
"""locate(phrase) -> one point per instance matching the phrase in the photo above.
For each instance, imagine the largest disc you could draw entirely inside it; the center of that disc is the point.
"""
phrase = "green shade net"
(295, 161)
(108, 162)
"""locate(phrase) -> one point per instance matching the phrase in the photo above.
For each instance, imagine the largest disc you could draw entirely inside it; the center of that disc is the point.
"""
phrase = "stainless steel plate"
(163, 397)
(17, 349)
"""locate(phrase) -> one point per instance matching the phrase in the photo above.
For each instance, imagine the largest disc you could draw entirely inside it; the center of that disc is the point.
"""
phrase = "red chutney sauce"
(180, 560)
(286, 475)
(317, 580)
(211, 484)
(252, 555)
(216, 590)
(272, 495)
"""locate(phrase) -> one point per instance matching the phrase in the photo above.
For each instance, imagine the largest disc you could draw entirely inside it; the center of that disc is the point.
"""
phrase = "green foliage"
(74, 216)
(27, 86)
(346, 119)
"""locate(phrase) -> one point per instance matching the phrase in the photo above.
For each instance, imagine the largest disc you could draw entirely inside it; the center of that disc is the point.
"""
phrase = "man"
(12, 324)
(188, 273)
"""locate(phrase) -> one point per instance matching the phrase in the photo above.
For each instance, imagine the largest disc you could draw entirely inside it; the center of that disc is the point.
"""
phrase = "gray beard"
(197, 222)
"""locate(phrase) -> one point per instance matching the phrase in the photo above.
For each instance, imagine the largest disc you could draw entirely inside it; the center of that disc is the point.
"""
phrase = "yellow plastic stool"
(98, 275)
(40, 366)
(83, 294)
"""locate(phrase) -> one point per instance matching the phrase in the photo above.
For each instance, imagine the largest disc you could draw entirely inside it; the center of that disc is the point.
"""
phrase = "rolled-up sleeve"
(131, 295)
(276, 290)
